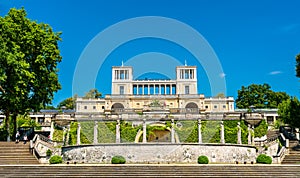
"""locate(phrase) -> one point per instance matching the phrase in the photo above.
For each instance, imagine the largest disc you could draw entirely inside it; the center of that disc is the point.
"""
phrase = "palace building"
(179, 94)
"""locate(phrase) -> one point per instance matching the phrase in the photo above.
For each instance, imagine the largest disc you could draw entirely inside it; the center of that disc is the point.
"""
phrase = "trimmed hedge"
(203, 159)
(264, 159)
(55, 159)
(118, 160)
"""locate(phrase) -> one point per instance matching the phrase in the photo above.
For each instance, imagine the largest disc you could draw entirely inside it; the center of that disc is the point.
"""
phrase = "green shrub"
(264, 159)
(55, 159)
(48, 152)
(118, 160)
(203, 159)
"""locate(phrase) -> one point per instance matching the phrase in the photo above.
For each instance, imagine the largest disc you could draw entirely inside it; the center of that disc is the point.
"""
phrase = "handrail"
(41, 139)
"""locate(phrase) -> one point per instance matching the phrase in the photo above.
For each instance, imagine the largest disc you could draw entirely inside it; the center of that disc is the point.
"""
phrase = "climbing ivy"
(261, 129)
(128, 131)
(187, 131)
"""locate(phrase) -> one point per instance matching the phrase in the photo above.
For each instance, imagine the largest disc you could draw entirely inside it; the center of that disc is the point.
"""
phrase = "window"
(85, 107)
(121, 90)
(94, 107)
(41, 119)
(215, 106)
(187, 90)
(102, 107)
(206, 107)
(224, 106)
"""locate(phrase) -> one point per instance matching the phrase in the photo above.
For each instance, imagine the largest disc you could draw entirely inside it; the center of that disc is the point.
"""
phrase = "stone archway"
(160, 135)
(117, 106)
(191, 105)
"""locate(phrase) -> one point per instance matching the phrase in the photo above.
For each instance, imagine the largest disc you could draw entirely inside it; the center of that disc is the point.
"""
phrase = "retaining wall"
(160, 153)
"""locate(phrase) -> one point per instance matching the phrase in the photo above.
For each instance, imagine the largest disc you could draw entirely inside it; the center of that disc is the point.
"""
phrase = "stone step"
(150, 171)
(16, 153)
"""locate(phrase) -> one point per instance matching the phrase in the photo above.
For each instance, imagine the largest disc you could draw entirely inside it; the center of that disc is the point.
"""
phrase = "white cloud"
(275, 72)
(222, 75)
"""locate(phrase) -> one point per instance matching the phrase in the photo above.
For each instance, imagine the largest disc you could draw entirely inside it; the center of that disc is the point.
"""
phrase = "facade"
(128, 93)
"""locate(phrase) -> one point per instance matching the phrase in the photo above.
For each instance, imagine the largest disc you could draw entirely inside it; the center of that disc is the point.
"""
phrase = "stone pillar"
(199, 131)
(172, 131)
(222, 133)
(144, 131)
(51, 130)
(297, 134)
(78, 133)
(68, 135)
(118, 136)
(252, 131)
(96, 133)
(239, 134)
(249, 134)
(64, 138)
(159, 92)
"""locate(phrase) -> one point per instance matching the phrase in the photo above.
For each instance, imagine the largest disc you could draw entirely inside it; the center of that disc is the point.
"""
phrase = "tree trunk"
(7, 124)
(14, 121)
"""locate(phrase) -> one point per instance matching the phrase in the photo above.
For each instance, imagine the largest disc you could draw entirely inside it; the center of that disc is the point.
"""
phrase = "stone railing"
(40, 144)
(283, 150)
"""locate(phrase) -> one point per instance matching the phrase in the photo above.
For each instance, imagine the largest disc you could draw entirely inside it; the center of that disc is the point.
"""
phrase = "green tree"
(29, 56)
(260, 96)
(93, 93)
(69, 103)
(298, 65)
(289, 111)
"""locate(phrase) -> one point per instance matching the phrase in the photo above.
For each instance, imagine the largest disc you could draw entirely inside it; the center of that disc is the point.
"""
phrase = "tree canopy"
(93, 93)
(298, 65)
(68, 103)
(260, 96)
(289, 111)
(29, 56)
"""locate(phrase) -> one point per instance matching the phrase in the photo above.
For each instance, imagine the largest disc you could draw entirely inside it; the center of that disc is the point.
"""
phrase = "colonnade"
(172, 130)
(157, 89)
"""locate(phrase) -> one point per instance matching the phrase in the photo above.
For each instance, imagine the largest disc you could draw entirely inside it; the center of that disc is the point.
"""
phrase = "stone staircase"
(294, 155)
(12, 153)
(128, 170)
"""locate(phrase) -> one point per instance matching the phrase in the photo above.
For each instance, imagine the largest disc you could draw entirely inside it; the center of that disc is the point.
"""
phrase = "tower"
(122, 77)
(186, 79)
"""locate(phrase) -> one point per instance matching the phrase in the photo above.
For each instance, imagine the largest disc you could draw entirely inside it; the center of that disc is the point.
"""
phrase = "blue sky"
(255, 41)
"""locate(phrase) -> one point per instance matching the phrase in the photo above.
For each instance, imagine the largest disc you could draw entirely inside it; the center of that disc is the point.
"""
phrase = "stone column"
(68, 134)
(96, 133)
(239, 134)
(249, 134)
(297, 134)
(252, 131)
(222, 133)
(118, 136)
(144, 131)
(51, 130)
(199, 131)
(64, 138)
(172, 131)
(159, 92)
(78, 133)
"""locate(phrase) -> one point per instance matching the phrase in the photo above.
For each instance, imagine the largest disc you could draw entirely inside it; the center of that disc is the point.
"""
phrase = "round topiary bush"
(264, 159)
(55, 159)
(118, 160)
(203, 159)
